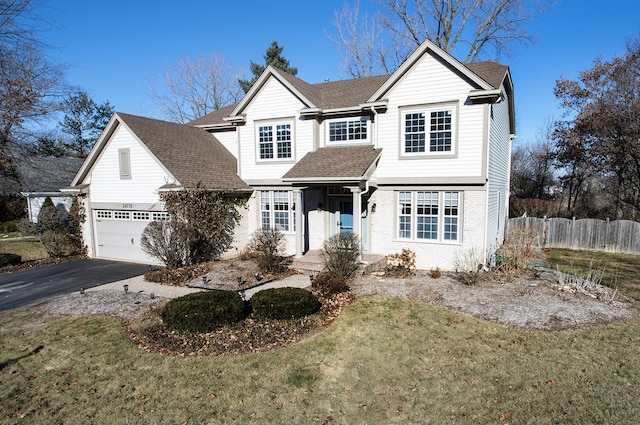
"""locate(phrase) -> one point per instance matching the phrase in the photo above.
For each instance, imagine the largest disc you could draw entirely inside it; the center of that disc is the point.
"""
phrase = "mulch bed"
(249, 336)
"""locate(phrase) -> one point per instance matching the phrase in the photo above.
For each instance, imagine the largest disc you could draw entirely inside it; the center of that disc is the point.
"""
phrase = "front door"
(345, 218)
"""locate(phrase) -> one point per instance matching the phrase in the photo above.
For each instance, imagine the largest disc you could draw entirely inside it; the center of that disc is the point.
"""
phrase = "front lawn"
(383, 361)
(620, 270)
(28, 249)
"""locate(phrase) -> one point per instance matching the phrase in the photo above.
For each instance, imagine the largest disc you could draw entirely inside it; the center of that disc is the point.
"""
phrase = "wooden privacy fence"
(588, 234)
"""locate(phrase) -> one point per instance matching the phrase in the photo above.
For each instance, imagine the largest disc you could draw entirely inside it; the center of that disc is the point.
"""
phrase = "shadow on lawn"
(9, 362)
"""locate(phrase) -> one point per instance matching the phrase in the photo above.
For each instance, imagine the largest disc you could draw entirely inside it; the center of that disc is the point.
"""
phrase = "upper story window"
(348, 130)
(274, 141)
(429, 131)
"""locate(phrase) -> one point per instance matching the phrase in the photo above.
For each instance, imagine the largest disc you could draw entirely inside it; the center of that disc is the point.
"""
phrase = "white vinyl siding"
(428, 216)
(274, 104)
(430, 86)
(125, 163)
(142, 187)
(498, 170)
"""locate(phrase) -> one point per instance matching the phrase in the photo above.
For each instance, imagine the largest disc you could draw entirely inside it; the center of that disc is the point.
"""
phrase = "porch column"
(299, 224)
(357, 208)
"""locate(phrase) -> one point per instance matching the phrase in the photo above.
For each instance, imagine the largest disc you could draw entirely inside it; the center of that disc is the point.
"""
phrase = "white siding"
(498, 171)
(274, 102)
(146, 174)
(431, 82)
(229, 140)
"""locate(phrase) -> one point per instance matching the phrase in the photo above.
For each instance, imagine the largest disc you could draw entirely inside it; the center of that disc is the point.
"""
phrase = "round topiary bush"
(284, 303)
(203, 311)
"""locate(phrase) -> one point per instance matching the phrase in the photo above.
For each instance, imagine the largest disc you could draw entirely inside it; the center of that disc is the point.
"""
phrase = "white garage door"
(118, 234)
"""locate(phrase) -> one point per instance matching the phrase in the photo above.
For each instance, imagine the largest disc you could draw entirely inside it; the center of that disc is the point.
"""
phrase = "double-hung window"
(429, 216)
(348, 130)
(277, 210)
(428, 131)
(274, 141)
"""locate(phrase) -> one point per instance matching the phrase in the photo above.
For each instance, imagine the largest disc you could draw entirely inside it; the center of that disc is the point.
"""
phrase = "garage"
(118, 232)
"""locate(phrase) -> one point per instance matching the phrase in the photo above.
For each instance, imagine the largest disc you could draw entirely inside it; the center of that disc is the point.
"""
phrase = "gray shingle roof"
(40, 174)
(346, 93)
(192, 155)
(492, 72)
(214, 117)
(350, 163)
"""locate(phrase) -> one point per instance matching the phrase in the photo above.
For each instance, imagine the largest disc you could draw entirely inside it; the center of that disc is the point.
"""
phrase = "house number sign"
(127, 206)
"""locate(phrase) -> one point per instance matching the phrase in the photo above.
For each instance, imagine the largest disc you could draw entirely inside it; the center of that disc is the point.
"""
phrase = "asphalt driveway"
(26, 287)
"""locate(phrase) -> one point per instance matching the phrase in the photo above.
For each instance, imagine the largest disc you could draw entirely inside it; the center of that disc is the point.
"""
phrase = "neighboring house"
(418, 159)
(44, 177)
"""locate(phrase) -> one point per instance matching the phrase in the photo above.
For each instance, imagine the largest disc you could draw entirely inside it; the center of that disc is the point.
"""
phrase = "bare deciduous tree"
(604, 106)
(29, 82)
(468, 29)
(195, 87)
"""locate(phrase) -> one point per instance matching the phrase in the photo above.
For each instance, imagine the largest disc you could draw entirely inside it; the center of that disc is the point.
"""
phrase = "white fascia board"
(324, 179)
(363, 107)
(111, 127)
(486, 96)
(415, 56)
(218, 126)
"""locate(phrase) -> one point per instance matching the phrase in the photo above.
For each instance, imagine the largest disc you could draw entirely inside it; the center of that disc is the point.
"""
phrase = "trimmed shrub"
(265, 247)
(328, 283)
(284, 303)
(203, 311)
(340, 254)
(9, 259)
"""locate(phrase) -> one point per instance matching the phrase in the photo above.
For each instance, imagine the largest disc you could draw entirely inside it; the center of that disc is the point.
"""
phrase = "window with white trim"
(348, 130)
(277, 210)
(429, 131)
(274, 141)
(429, 216)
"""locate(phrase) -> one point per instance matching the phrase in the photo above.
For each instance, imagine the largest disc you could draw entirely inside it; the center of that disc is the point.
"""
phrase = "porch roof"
(350, 163)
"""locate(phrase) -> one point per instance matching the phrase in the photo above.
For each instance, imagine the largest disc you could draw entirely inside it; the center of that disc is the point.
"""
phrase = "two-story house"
(417, 159)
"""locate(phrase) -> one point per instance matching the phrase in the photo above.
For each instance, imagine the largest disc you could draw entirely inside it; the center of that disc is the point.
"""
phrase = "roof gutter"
(363, 107)
(485, 96)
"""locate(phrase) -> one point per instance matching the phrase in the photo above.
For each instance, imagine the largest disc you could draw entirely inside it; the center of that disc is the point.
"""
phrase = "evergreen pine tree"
(273, 56)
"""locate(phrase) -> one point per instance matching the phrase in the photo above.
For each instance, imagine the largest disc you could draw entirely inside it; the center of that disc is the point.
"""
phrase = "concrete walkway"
(139, 285)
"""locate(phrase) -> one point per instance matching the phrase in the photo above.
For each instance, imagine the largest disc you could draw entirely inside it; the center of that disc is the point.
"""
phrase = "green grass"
(28, 249)
(620, 270)
(383, 361)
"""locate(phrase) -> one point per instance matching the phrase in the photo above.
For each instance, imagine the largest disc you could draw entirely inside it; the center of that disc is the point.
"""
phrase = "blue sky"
(115, 48)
